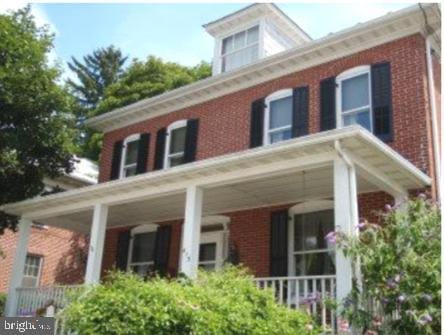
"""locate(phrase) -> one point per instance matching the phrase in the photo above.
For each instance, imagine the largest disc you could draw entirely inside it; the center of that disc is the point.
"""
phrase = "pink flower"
(343, 325)
(361, 225)
(425, 319)
(388, 207)
(331, 237)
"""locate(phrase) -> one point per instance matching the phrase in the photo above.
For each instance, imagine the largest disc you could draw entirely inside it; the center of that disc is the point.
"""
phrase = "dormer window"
(240, 49)
(257, 31)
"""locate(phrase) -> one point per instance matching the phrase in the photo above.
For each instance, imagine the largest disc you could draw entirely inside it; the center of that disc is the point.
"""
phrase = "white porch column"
(191, 231)
(346, 220)
(96, 242)
(18, 266)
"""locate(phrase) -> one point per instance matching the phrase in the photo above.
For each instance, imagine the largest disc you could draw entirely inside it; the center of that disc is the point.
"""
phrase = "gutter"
(434, 117)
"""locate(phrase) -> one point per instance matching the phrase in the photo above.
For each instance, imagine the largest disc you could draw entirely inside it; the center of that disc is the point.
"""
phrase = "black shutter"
(257, 123)
(122, 250)
(160, 149)
(300, 111)
(279, 243)
(162, 249)
(117, 157)
(382, 101)
(328, 103)
(191, 140)
(142, 153)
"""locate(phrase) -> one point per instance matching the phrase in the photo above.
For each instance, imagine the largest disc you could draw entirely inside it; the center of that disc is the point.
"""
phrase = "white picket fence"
(307, 293)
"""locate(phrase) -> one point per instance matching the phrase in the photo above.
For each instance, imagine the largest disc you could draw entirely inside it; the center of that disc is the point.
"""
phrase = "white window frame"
(348, 74)
(312, 206)
(259, 43)
(123, 167)
(173, 126)
(146, 228)
(39, 272)
(285, 93)
(216, 237)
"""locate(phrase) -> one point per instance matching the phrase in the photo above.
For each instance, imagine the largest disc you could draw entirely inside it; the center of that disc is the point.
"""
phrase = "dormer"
(255, 32)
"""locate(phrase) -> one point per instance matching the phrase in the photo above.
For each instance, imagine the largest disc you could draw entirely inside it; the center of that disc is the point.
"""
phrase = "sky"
(173, 31)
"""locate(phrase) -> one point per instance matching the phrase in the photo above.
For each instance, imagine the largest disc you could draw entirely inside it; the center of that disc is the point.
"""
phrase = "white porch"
(335, 165)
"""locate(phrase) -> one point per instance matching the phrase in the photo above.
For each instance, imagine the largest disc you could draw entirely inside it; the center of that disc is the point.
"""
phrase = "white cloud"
(40, 16)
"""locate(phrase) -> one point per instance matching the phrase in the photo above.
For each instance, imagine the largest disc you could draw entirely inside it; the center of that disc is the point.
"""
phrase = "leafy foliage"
(97, 71)
(223, 303)
(36, 127)
(140, 80)
(400, 267)
(146, 79)
(2, 303)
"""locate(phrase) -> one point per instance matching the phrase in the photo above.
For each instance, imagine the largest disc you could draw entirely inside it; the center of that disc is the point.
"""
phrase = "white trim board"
(292, 155)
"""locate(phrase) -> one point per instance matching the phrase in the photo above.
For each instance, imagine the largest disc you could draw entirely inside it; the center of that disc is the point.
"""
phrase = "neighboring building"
(54, 255)
(290, 139)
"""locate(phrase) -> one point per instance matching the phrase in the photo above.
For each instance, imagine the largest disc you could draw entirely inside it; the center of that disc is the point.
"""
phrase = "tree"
(400, 265)
(141, 80)
(146, 79)
(36, 127)
(99, 70)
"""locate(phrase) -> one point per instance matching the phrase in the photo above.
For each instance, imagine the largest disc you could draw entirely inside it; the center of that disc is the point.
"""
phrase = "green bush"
(2, 303)
(400, 265)
(222, 303)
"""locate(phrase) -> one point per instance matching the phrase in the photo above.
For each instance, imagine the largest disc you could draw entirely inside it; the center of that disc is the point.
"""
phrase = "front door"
(211, 250)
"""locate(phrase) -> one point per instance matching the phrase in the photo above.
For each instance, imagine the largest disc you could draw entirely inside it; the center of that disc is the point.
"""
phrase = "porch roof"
(284, 172)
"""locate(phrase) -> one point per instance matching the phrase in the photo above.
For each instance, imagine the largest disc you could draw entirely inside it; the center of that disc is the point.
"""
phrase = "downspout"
(434, 118)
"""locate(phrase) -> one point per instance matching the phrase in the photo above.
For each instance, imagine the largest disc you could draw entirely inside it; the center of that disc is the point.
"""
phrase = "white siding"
(274, 40)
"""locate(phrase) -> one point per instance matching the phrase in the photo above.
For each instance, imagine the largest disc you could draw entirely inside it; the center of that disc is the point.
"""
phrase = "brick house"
(54, 255)
(291, 138)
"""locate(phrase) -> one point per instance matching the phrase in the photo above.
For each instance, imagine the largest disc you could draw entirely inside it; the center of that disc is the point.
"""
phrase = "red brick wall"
(249, 231)
(110, 248)
(225, 121)
(64, 255)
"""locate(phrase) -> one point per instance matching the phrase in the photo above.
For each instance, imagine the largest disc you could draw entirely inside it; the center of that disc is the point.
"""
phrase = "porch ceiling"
(286, 172)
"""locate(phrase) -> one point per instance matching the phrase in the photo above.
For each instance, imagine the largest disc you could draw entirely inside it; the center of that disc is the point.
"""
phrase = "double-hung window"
(33, 269)
(312, 255)
(354, 97)
(141, 252)
(278, 116)
(240, 49)
(175, 144)
(129, 156)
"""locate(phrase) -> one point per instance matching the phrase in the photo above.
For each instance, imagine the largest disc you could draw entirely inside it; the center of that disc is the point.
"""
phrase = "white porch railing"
(308, 293)
(32, 299)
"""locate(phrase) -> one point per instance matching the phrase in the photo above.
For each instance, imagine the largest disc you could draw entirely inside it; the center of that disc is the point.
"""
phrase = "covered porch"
(316, 173)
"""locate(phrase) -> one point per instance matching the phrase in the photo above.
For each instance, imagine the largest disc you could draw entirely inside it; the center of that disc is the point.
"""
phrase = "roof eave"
(409, 20)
